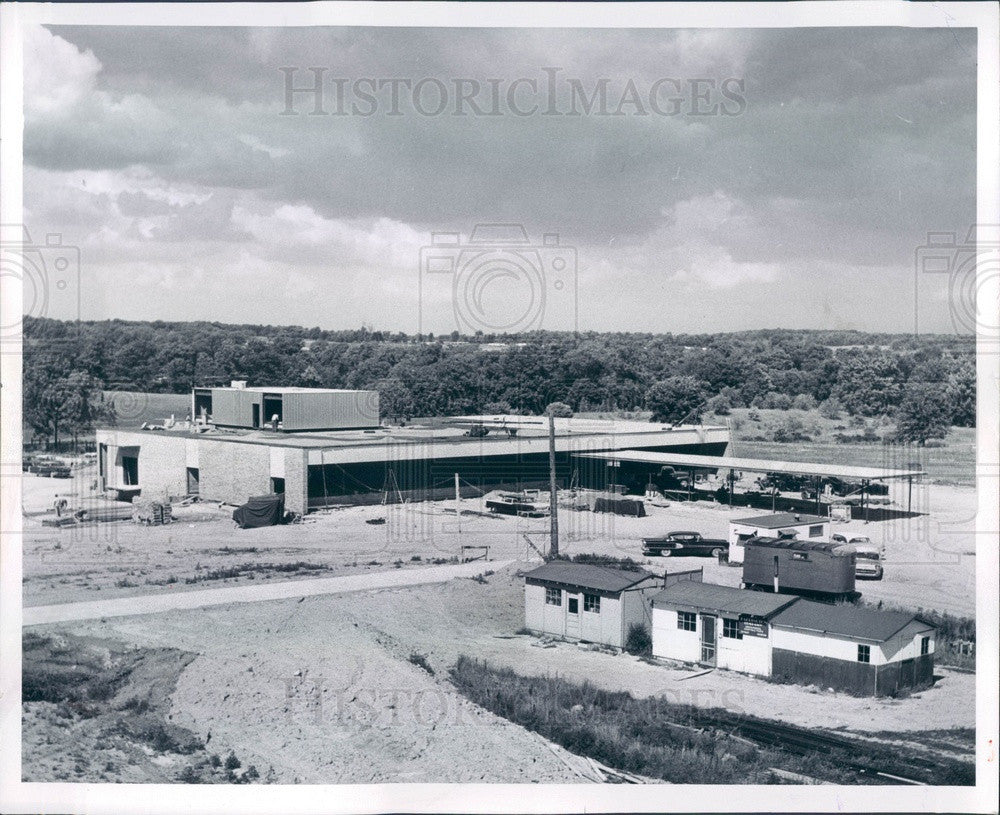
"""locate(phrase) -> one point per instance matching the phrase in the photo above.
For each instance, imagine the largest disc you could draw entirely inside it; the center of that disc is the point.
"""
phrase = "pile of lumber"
(149, 512)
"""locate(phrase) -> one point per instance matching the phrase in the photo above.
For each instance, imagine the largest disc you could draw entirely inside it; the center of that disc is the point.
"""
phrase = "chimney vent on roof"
(238, 384)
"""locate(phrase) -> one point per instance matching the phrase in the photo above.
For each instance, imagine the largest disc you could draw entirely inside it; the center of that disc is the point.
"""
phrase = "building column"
(297, 480)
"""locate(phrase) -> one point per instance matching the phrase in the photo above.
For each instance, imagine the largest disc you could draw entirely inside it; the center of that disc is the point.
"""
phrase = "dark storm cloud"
(852, 145)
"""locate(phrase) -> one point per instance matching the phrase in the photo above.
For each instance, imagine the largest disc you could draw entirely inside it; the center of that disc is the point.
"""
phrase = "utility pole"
(553, 503)
(458, 505)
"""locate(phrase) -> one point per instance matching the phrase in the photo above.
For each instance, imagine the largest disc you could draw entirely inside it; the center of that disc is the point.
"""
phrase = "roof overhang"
(753, 465)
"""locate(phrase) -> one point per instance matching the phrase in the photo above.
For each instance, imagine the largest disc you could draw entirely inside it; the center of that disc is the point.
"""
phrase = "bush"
(719, 405)
(639, 641)
(420, 660)
(232, 763)
(831, 408)
(804, 401)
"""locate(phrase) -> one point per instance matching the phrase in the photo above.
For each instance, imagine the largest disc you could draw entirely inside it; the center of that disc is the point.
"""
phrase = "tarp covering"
(263, 510)
(620, 506)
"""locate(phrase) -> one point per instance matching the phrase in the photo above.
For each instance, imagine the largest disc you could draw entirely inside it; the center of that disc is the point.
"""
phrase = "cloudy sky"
(797, 199)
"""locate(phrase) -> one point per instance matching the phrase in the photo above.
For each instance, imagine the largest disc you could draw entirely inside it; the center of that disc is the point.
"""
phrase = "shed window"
(687, 620)
(592, 602)
(925, 646)
(864, 653)
(731, 629)
(816, 531)
(800, 556)
(553, 597)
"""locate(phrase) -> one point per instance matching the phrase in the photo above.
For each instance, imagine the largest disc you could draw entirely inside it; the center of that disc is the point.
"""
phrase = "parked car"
(683, 544)
(868, 565)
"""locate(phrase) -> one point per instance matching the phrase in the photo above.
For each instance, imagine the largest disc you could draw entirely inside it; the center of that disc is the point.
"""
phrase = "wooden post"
(553, 502)
(909, 493)
(458, 505)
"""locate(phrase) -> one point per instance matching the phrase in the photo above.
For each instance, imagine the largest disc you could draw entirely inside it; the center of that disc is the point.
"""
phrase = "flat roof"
(755, 465)
(781, 520)
(448, 432)
(846, 620)
(689, 594)
(587, 576)
(256, 389)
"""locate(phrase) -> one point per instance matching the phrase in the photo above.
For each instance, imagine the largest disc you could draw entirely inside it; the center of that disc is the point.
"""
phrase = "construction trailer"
(598, 604)
(844, 647)
(780, 524)
(791, 566)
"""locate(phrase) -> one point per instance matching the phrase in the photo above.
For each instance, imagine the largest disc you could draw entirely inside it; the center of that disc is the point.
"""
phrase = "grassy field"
(681, 744)
(134, 408)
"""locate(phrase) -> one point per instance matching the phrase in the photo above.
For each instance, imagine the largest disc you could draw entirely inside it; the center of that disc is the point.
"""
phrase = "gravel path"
(156, 603)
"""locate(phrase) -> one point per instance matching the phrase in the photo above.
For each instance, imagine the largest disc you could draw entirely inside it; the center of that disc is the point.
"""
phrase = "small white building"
(804, 527)
(845, 647)
(720, 626)
(591, 603)
(860, 650)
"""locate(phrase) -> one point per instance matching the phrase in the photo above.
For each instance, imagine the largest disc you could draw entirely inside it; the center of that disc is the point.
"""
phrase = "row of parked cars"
(45, 466)
(868, 564)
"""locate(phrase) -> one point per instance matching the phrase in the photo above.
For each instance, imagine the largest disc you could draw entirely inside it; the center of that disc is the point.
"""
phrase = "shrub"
(639, 641)
(420, 660)
(804, 401)
(232, 763)
(831, 408)
(189, 775)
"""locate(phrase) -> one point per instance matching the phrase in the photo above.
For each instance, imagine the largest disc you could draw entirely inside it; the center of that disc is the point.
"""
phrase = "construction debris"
(149, 512)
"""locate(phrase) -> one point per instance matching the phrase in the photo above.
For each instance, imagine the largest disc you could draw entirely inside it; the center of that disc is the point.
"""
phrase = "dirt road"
(157, 603)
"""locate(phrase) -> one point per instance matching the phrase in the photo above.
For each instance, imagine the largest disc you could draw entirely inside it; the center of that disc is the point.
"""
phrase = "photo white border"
(16, 796)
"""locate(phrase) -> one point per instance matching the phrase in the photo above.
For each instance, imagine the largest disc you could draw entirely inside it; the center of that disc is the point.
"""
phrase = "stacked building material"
(150, 512)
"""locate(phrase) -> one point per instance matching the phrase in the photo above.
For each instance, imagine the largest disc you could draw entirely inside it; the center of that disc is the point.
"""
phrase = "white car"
(868, 561)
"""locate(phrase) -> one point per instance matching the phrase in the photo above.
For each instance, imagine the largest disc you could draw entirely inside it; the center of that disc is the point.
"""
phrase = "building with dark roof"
(591, 603)
(786, 524)
(717, 626)
(845, 647)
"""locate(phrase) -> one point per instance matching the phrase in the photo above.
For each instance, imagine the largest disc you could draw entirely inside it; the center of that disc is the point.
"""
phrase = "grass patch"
(677, 743)
(592, 559)
(253, 569)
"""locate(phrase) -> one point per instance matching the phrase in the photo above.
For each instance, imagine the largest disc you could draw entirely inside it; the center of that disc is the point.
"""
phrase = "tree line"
(927, 382)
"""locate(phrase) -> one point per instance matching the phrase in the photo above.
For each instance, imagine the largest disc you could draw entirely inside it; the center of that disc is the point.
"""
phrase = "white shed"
(804, 527)
(715, 625)
(592, 603)
(857, 649)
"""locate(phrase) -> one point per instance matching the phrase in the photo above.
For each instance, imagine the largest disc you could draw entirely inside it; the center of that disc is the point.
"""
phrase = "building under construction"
(324, 447)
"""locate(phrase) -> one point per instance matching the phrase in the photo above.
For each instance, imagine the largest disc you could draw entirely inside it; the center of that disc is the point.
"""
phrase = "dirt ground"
(930, 559)
(334, 689)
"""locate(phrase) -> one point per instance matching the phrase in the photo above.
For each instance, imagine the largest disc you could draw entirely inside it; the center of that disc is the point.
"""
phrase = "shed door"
(708, 639)
(572, 615)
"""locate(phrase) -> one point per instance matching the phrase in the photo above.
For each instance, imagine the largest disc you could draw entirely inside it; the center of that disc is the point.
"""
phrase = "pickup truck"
(683, 544)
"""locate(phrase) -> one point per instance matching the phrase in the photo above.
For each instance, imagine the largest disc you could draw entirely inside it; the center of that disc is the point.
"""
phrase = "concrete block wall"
(233, 472)
(296, 480)
(162, 461)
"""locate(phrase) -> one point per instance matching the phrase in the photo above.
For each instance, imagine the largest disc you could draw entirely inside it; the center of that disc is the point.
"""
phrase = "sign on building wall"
(752, 626)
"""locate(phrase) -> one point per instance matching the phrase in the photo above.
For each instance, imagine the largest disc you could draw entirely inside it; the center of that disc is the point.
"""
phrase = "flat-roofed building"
(314, 468)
